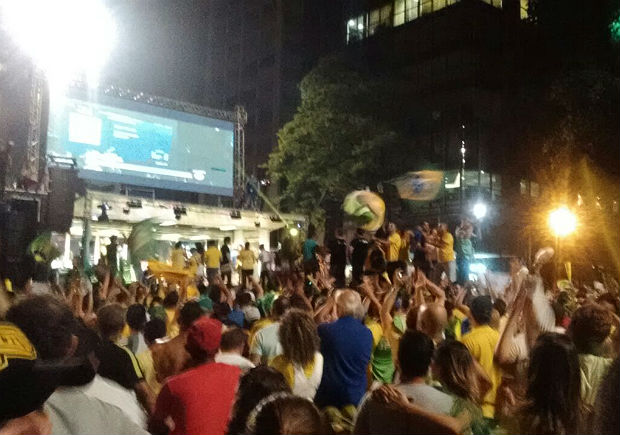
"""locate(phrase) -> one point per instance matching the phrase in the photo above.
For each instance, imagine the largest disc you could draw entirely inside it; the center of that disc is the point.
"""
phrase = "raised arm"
(506, 352)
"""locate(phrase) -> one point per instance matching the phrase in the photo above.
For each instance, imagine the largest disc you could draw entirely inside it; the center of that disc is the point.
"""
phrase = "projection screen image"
(115, 140)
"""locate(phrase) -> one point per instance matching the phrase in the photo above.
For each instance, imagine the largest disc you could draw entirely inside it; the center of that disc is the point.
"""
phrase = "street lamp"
(63, 37)
(480, 210)
(293, 232)
(562, 221)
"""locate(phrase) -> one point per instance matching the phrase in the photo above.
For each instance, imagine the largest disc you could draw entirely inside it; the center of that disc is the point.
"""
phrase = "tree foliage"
(346, 134)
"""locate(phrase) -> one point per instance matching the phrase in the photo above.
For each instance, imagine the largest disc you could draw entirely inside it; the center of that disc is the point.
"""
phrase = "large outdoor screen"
(116, 140)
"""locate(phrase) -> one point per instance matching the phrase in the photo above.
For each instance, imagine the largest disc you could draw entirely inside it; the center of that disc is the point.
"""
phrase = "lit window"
(524, 8)
(412, 10)
(380, 17)
(399, 12)
(355, 29)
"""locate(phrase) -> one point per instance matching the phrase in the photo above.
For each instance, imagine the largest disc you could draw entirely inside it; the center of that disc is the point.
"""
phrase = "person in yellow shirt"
(248, 259)
(394, 243)
(177, 256)
(446, 258)
(213, 257)
(481, 343)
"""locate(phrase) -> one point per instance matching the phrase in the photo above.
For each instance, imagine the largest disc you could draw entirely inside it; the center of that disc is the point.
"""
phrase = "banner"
(420, 185)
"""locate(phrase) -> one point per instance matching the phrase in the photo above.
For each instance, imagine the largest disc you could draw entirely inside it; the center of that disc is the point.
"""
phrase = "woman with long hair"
(464, 380)
(553, 404)
(300, 362)
(254, 386)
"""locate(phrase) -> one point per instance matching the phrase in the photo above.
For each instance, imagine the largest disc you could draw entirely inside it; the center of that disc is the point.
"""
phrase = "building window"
(380, 18)
(496, 3)
(524, 9)
(399, 12)
(356, 28)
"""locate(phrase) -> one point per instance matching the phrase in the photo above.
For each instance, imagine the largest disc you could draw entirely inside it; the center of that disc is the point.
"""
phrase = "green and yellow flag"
(419, 185)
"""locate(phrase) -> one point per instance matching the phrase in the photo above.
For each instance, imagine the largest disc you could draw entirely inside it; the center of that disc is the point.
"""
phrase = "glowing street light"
(480, 210)
(63, 37)
(562, 221)
(293, 232)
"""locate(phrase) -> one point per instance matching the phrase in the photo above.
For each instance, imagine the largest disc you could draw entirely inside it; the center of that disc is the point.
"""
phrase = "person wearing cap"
(200, 400)
(83, 402)
(24, 387)
(169, 356)
(481, 343)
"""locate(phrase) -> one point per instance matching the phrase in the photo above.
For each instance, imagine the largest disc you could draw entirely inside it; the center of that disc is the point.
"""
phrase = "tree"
(347, 134)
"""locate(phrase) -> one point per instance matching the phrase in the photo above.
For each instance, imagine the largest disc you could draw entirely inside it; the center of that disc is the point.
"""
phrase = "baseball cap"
(205, 334)
(25, 381)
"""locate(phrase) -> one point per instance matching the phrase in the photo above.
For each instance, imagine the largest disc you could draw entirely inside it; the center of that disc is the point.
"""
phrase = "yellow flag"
(569, 270)
(420, 185)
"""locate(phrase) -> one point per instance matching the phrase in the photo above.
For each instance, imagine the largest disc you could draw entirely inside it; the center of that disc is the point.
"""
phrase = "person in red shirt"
(199, 400)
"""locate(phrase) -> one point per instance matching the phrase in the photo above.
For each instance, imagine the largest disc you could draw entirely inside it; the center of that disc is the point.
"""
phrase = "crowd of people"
(406, 346)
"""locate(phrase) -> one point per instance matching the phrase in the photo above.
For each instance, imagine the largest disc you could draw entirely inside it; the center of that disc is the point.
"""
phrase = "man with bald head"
(432, 320)
(346, 345)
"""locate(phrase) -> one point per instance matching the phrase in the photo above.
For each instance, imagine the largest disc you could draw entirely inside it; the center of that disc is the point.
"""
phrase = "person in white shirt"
(232, 346)
(266, 343)
(266, 265)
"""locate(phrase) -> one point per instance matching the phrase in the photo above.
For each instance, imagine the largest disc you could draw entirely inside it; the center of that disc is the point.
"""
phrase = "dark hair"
(360, 232)
(280, 306)
(215, 293)
(311, 231)
(136, 317)
(415, 352)
(299, 302)
(110, 320)
(190, 312)
(589, 327)
(500, 306)
(202, 288)
(456, 370)
(233, 338)
(289, 415)
(375, 261)
(47, 322)
(171, 300)
(244, 299)
(154, 329)
(606, 420)
(261, 246)
(211, 243)
(611, 300)
(481, 309)
(553, 390)
(200, 247)
(226, 240)
(247, 245)
(298, 337)
(177, 245)
(254, 386)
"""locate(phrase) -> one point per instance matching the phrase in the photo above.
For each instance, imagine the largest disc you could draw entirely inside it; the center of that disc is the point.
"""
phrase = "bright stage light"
(63, 37)
(480, 210)
(562, 221)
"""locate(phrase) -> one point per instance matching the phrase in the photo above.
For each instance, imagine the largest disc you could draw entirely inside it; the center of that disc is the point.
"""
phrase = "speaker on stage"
(18, 227)
(64, 184)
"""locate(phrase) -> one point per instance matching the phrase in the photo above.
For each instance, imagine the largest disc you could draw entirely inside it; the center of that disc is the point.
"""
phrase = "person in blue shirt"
(346, 345)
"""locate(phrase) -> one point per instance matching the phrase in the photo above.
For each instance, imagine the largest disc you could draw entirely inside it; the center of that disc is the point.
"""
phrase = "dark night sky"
(160, 47)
